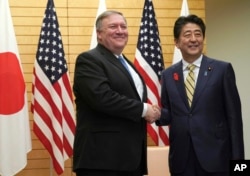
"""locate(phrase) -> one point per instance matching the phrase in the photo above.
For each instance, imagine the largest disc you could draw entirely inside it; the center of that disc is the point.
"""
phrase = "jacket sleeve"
(104, 88)
(165, 118)
(234, 115)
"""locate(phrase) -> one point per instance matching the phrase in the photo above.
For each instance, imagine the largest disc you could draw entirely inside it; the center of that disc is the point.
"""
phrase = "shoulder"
(218, 65)
(92, 55)
(212, 63)
(173, 67)
(215, 61)
(88, 53)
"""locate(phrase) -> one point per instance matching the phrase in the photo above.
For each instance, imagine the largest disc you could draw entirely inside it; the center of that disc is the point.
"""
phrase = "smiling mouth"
(119, 37)
(193, 46)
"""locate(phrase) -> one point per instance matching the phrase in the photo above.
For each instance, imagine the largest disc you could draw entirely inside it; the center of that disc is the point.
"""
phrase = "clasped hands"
(153, 113)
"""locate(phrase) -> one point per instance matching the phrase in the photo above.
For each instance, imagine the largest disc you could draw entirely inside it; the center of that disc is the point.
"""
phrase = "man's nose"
(193, 37)
(119, 29)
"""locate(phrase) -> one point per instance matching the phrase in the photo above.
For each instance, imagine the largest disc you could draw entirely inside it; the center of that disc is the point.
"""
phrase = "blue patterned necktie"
(123, 62)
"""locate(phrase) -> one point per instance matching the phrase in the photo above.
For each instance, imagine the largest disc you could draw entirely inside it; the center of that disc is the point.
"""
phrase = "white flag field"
(101, 8)
(184, 12)
(15, 139)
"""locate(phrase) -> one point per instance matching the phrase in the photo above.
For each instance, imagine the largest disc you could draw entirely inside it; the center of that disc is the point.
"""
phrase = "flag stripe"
(52, 100)
(54, 108)
(152, 131)
(152, 87)
(149, 63)
(44, 121)
(49, 98)
(140, 61)
(164, 133)
(52, 121)
(68, 110)
(48, 145)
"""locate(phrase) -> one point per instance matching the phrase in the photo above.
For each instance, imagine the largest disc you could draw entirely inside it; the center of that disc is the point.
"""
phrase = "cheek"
(177, 44)
(126, 33)
(180, 44)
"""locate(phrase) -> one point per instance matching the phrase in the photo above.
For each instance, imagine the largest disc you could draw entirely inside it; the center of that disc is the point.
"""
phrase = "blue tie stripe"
(123, 62)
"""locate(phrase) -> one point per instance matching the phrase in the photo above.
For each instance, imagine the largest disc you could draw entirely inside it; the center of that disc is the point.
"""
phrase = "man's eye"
(124, 27)
(197, 34)
(112, 27)
(187, 35)
(117, 26)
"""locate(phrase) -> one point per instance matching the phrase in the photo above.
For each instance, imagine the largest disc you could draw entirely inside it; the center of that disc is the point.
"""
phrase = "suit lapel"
(111, 58)
(204, 75)
(140, 76)
(178, 70)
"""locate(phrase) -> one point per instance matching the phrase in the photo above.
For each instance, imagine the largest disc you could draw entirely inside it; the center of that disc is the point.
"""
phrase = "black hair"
(183, 20)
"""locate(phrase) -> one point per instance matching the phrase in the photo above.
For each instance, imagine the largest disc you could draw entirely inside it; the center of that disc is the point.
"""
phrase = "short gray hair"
(98, 23)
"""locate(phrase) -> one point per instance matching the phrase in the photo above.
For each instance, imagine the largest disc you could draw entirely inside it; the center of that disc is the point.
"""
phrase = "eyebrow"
(196, 30)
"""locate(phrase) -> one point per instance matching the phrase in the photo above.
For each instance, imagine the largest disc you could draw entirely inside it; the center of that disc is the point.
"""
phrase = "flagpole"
(67, 32)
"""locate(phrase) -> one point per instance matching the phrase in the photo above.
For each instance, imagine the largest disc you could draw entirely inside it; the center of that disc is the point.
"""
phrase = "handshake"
(153, 113)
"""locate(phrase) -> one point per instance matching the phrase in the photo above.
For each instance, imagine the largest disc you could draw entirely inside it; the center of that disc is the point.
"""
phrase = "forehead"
(190, 27)
(114, 19)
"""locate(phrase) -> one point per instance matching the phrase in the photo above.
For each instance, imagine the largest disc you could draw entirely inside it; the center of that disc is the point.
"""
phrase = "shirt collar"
(197, 62)
(117, 56)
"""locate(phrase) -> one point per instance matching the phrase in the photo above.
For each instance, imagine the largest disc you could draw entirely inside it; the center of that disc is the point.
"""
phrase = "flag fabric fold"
(149, 62)
(52, 99)
(15, 139)
(101, 8)
(184, 12)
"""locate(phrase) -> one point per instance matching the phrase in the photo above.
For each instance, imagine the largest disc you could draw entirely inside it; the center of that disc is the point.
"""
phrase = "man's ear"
(176, 42)
(98, 35)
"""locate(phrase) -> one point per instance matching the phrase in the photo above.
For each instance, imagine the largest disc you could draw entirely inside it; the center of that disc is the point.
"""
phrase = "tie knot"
(122, 60)
(120, 57)
(191, 67)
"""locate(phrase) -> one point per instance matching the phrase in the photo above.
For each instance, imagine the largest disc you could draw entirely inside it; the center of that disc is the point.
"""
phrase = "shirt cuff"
(145, 108)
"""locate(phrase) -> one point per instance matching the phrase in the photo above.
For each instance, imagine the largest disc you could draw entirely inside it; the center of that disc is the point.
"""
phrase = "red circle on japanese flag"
(12, 86)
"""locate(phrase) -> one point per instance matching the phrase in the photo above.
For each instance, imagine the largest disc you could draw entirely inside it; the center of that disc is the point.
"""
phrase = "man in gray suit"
(111, 137)
(205, 125)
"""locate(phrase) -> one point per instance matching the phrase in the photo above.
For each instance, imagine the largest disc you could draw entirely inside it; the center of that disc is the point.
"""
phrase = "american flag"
(52, 101)
(149, 62)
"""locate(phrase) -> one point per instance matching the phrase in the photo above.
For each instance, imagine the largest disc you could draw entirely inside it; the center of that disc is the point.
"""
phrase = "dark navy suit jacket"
(214, 121)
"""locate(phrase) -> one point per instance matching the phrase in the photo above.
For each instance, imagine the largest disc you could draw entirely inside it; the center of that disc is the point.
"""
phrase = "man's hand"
(153, 113)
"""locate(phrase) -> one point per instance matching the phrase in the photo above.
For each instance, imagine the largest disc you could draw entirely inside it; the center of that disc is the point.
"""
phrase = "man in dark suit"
(111, 135)
(205, 125)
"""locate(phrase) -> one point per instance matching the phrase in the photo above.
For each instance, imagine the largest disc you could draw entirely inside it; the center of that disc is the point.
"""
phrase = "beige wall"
(228, 28)
(76, 19)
